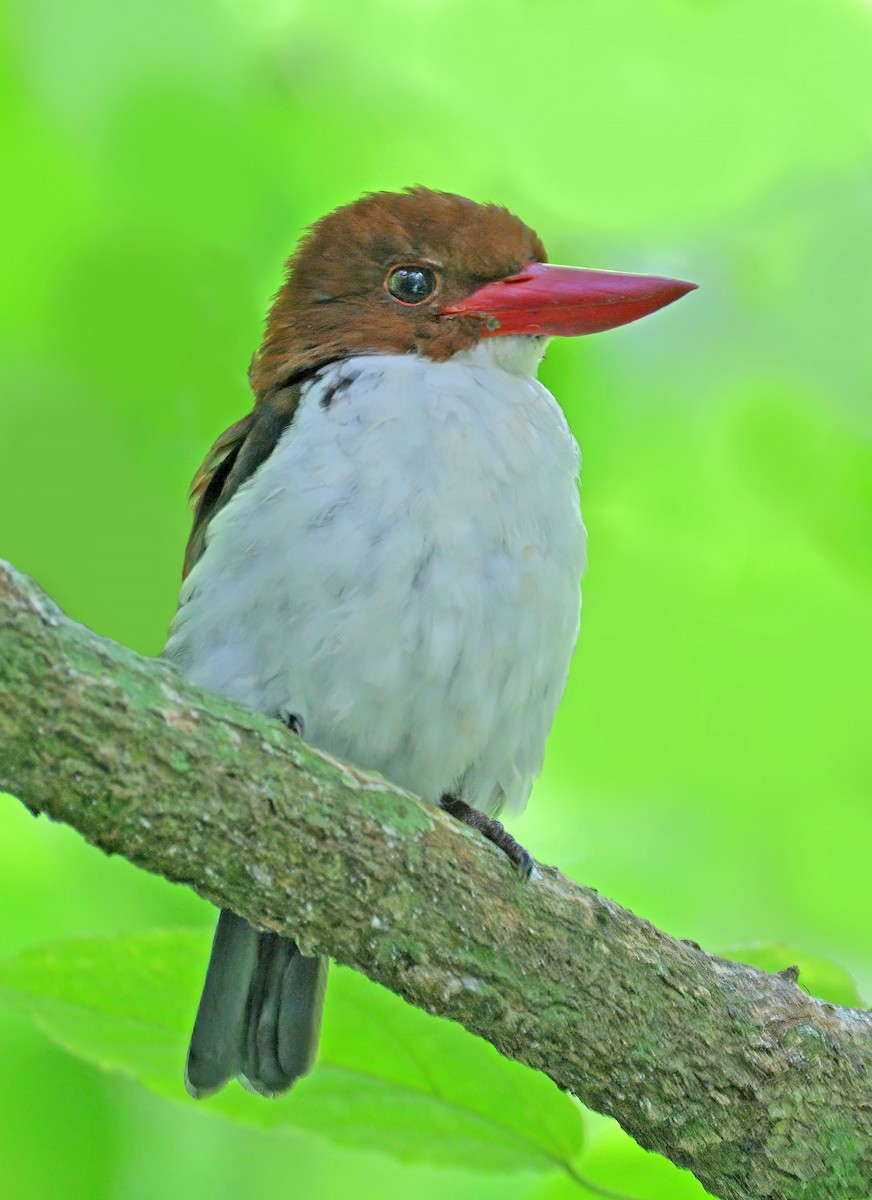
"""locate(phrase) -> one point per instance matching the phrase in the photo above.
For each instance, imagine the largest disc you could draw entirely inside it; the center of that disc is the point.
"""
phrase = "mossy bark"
(759, 1089)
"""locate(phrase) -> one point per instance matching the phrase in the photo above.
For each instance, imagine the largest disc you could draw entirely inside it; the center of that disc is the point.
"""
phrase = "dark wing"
(235, 457)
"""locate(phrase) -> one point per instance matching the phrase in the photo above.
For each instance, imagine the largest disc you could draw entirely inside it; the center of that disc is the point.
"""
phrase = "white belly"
(403, 573)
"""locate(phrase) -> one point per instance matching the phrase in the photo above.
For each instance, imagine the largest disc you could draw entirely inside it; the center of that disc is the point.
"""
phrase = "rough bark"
(757, 1088)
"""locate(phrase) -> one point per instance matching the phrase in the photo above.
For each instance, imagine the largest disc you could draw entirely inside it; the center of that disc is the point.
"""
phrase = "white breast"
(403, 572)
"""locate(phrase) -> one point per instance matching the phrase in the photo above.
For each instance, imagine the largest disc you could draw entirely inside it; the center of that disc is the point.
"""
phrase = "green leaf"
(389, 1077)
(817, 976)
(615, 1167)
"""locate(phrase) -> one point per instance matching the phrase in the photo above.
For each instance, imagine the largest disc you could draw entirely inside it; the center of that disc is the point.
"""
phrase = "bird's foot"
(492, 830)
(294, 722)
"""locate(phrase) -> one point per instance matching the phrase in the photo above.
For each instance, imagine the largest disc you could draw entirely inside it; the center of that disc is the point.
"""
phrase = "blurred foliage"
(388, 1074)
(710, 766)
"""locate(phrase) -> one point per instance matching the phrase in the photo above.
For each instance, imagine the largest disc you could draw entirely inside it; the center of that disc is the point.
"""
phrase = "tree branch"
(759, 1089)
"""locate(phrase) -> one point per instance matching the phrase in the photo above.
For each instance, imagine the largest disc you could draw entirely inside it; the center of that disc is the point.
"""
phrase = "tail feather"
(300, 1010)
(260, 1013)
(263, 1071)
(215, 1053)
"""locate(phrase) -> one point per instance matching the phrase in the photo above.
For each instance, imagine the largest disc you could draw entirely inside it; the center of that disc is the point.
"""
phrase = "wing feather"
(233, 459)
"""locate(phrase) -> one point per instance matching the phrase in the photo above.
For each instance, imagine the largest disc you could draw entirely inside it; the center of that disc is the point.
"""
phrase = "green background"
(710, 765)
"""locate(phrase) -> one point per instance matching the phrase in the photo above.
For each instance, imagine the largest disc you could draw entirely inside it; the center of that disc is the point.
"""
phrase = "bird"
(387, 550)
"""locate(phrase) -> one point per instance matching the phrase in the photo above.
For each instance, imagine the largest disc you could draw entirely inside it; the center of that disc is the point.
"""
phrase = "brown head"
(431, 273)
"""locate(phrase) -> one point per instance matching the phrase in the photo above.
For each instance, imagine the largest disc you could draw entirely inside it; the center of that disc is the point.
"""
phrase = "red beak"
(566, 301)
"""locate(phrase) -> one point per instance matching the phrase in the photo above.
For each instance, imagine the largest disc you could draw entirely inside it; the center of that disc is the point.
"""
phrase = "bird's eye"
(411, 285)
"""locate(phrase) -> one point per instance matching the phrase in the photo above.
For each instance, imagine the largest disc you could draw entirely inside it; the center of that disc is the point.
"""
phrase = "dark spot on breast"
(421, 568)
(340, 385)
(328, 515)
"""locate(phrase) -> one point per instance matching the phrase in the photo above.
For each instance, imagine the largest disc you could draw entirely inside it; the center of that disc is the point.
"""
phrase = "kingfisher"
(387, 551)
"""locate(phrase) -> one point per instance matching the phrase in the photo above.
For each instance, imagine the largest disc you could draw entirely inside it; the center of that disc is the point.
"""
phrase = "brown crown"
(334, 302)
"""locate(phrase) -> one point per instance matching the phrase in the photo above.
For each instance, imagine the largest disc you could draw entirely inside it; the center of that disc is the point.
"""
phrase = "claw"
(523, 860)
(294, 722)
